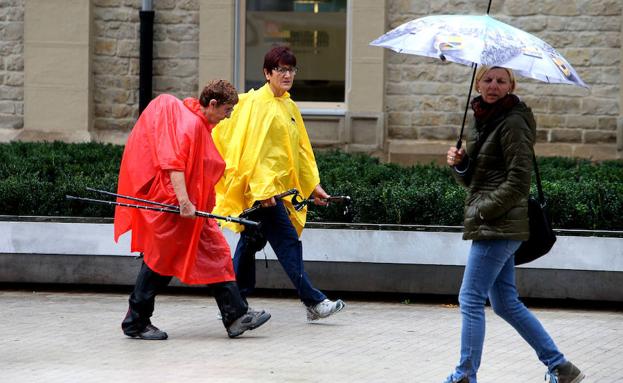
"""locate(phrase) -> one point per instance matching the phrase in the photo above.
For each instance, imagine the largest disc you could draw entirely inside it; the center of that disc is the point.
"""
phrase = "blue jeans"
(490, 271)
(277, 229)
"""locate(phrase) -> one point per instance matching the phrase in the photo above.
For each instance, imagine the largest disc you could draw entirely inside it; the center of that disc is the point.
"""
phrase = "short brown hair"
(220, 90)
(279, 55)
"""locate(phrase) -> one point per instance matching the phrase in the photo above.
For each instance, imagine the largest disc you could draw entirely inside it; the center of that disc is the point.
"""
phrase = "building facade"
(69, 69)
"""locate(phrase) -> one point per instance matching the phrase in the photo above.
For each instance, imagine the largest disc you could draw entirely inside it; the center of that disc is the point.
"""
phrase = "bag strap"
(538, 181)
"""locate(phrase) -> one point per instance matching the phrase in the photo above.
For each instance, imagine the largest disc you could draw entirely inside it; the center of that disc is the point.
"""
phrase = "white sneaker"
(324, 309)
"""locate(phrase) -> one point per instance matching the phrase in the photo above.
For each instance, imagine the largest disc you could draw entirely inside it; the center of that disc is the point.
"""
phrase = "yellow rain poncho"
(267, 151)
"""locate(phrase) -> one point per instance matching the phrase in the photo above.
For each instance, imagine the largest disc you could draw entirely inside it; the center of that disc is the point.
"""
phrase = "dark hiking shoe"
(565, 373)
(249, 321)
(150, 332)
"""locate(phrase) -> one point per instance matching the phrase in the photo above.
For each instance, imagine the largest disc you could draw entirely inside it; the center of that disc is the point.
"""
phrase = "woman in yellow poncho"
(267, 151)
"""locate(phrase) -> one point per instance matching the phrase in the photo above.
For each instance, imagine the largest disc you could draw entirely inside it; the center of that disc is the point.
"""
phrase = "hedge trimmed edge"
(35, 177)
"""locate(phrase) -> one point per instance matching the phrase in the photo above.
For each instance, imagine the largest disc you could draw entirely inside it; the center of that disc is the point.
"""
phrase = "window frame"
(320, 108)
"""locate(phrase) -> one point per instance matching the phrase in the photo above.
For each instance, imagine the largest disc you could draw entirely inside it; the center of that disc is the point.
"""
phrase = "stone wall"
(425, 98)
(11, 66)
(116, 59)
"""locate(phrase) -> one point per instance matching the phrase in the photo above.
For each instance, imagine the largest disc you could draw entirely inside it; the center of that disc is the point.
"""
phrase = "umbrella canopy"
(482, 40)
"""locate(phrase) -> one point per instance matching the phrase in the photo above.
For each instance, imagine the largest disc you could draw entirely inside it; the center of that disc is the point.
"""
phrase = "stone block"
(403, 132)
(116, 30)
(400, 103)
(565, 135)
(542, 135)
(173, 67)
(11, 48)
(364, 130)
(399, 118)
(538, 104)
(605, 91)
(604, 57)
(101, 109)
(398, 88)
(602, 7)
(14, 79)
(600, 106)
(171, 49)
(107, 3)
(57, 64)
(110, 65)
(607, 123)
(61, 110)
(161, 5)
(128, 48)
(15, 13)
(559, 105)
(551, 150)
(550, 120)
(14, 63)
(188, 5)
(55, 21)
(579, 57)
(324, 129)
(7, 107)
(181, 86)
(580, 122)
(177, 18)
(11, 122)
(428, 119)
(123, 111)
(12, 93)
(393, 73)
(185, 32)
(599, 136)
(105, 47)
(521, 8)
(437, 133)
(116, 14)
(11, 31)
(559, 8)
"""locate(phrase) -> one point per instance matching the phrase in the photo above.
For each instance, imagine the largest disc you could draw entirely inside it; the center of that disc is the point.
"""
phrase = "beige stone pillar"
(620, 119)
(57, 70)
(216, 40)
(365, 119)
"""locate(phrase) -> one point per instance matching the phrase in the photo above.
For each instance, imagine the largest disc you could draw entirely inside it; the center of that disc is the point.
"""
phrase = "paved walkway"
(75, 337)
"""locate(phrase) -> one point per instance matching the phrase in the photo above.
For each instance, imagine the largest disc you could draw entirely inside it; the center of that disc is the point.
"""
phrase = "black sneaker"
(565, 373)
(249, 321)
(150, 332)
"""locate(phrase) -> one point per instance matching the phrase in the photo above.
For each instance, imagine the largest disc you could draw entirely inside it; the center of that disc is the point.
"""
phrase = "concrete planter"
(343, 257)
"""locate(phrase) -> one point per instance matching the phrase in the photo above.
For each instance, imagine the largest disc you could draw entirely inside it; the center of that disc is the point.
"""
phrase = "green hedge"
(35, 177)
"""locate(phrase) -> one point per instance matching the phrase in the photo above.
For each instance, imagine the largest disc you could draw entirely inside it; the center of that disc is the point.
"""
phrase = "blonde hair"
(485, 68)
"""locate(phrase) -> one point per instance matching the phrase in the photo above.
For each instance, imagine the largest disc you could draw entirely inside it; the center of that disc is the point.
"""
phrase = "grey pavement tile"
(76, 337)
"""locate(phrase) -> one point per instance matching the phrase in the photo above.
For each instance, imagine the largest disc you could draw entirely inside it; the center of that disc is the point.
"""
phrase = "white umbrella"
(481, 40)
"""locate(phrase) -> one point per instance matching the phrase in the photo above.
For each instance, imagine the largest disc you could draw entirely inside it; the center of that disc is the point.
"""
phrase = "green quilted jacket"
(498, 180)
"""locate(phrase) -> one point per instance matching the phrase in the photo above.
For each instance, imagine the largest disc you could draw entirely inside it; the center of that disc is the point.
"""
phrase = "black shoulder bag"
(542, 236)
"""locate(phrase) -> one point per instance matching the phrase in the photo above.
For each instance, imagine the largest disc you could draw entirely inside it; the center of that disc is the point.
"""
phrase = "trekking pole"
(346, 200)
(258, 205)
(165, 208)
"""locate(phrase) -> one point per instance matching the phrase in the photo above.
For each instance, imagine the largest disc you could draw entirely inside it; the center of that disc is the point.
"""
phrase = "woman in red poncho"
(170, 158)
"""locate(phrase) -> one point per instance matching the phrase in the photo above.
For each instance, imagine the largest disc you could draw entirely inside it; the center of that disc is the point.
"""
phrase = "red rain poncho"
(174, 135)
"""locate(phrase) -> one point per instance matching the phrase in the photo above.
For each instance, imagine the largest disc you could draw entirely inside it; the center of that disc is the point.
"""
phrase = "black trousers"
(149, 284)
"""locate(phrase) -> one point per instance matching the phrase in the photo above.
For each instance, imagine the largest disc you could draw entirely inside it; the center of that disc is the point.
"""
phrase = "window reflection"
(316, 33)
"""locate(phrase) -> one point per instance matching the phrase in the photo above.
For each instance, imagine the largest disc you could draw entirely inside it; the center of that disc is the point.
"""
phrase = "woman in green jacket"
(496, 170)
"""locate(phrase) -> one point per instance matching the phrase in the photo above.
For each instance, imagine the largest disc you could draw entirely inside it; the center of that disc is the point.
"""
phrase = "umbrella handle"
(459, 142)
